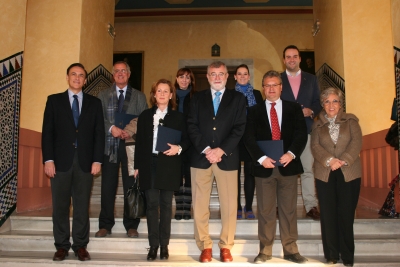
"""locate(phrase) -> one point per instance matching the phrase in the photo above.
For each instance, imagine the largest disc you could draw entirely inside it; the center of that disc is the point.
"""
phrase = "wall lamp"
(315, 28)
(215, 50)
(111, 30)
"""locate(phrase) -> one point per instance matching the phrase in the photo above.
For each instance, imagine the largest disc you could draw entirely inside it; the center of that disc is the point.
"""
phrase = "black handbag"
(389, 206)
(135, 202)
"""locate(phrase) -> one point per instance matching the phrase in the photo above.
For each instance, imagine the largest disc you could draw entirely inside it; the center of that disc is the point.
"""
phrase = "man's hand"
(96, 167)
(124, 135)
(172, 151)
(268, 163)
(307, 112)
(135, 174)
(286, 159)
(50, 169)
(116, 132)
(214, 155)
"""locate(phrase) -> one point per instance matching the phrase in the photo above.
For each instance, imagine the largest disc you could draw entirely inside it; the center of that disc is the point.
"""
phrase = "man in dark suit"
(276, 119)
(72, 147)
(302, 87)
(119, 98)
(216, 124)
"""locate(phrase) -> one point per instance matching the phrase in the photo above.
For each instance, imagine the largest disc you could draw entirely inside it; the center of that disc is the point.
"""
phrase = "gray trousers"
(307, 178)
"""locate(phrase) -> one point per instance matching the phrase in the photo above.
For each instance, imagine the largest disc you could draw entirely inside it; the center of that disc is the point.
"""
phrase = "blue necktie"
(121, 100)
(216, 102)
(75, 110)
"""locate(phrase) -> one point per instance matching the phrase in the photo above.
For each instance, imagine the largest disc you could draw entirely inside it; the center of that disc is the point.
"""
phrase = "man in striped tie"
(276, 119)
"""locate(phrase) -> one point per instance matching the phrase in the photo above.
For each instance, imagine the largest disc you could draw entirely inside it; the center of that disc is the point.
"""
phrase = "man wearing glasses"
(302, 87)
(216, 124)
(276, 119)
(119, 98)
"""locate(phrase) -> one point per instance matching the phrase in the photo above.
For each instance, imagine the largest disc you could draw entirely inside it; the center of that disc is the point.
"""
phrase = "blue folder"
(272, 149)
(167, 135)
(122, 119)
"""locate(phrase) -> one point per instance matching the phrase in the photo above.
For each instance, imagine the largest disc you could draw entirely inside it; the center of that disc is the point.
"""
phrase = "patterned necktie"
(276, 131)
(75, 110)
(216, 102)
(121, 100)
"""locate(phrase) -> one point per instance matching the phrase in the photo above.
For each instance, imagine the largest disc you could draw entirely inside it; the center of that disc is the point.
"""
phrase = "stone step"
(40, 259)
(184, 244)
(305, 226)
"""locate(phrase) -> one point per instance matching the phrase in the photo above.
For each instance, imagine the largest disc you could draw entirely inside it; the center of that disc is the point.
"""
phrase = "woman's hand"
(336, 164)
(174, 149)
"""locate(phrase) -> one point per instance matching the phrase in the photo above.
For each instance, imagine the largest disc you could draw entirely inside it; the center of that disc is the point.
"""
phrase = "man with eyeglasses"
(276, 119)
(302, 87)
(119, 98)
(216, 123)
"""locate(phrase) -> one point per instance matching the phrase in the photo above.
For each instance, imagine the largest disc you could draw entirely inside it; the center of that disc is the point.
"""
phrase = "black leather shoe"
(152, 255)
(331, 261)
(164, 253)
(297, 258)
(261, 258)
(348, 263)
(187, 217)
(178, 217)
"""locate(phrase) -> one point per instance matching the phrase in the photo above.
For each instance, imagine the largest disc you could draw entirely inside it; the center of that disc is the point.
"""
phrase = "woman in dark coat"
(253, 97)
(185, 88)
(159, 171)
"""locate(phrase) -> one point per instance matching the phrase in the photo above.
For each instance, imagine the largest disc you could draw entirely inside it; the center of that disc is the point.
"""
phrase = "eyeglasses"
(214, 75)
(333, 102)
(123, 71)
(267, 86)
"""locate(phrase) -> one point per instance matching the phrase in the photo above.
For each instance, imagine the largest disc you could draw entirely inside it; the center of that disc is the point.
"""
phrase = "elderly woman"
(185, 88)
(336, 144)
(253, 97)
(159, 171)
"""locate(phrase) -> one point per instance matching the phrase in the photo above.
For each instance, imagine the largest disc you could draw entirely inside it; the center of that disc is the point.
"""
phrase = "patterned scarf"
(251, 100)
(333, 128)
(112, 142)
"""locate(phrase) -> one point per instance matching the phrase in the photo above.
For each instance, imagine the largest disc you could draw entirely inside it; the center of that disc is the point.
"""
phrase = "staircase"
(27, 240)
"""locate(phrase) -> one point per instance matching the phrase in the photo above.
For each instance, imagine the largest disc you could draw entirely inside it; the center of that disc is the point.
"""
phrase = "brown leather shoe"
(60, 254)
(132, 233)
(225, 255)
(314, 214)
(206, 255)
(82, 254)
(102, 233)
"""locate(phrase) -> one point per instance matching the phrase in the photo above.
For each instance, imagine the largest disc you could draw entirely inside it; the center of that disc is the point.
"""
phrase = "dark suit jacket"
(59, 132)
(169, 169)
(293, 134)
(308, 96)
(223, 130)
(243, 153)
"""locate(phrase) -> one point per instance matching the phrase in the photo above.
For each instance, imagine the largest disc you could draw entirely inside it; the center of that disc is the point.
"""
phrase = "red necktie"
(276, 131)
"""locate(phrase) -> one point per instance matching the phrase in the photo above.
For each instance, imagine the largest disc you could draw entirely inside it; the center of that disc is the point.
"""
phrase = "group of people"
(220, 128)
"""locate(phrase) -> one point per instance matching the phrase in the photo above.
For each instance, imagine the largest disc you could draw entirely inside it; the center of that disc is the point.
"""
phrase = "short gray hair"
(330, 91)
(271, 74)
(216, 65)
(128, 69)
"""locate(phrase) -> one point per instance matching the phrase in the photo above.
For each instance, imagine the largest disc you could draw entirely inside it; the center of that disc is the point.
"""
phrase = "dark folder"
(167, 135)
(272, 149)
(122, 119)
